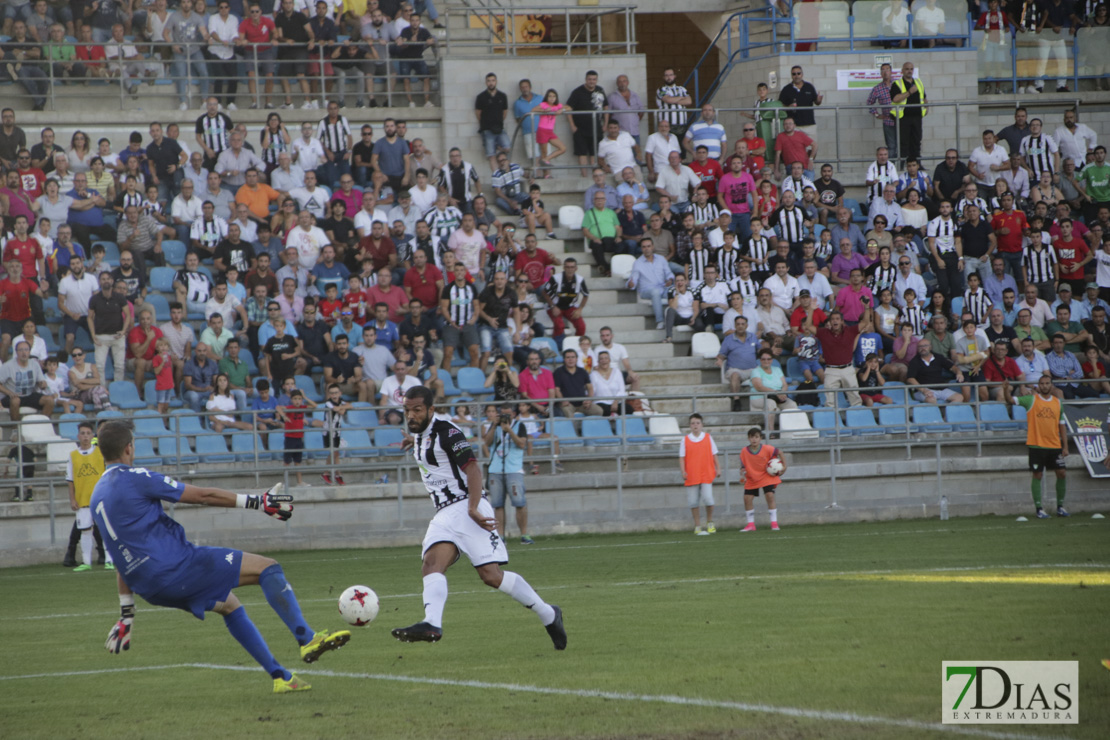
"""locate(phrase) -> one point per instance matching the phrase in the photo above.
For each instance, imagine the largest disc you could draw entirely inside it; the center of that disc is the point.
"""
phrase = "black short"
(755, 491)
(585, 143)
(293, 61)
(33, 398)
(395, 183)
(293, 445)
(331, 440)
(1041, 458)
(12, 328)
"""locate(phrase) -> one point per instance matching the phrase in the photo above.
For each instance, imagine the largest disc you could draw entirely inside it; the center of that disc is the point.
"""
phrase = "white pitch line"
(779, 537)
(796, 712)
(680, 581)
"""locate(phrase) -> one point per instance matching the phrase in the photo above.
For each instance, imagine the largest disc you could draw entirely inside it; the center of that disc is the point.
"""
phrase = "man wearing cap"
(998, 367)
(1076, 309)
(1091, 301)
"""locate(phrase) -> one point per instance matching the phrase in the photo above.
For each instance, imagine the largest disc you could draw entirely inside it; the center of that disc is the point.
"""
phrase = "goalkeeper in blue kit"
(155, 560)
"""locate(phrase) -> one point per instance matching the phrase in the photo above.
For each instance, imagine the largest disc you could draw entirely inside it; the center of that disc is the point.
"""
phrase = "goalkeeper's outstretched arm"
(273, 502)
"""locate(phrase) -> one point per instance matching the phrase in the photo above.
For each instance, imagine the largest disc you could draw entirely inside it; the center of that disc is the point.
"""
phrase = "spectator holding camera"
(504, 381)
(506, 441)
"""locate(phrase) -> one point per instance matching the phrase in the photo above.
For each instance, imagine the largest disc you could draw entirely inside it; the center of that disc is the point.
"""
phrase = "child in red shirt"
(330, 306)
(754, 476)
(355, 299)
(163, 374)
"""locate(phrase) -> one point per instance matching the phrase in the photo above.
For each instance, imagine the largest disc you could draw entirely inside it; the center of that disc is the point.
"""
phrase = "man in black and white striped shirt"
(976, 301)
(789, 222)
(459, 307)
(1038, 260)
(1040, 151)
(673, 99)
(213, 130)
(705, 211)
(945, 250)
(879, 173)
(334, 133)
(728, 258)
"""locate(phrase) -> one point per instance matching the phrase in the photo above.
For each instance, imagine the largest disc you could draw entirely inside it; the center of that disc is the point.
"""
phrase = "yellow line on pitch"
(1046, 578)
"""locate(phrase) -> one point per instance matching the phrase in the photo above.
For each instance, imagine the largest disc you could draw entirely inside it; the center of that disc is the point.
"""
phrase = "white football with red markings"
(358, 605)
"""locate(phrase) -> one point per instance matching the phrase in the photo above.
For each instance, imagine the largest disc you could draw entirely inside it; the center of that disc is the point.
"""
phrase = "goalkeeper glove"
(120, 636)
(273, 503)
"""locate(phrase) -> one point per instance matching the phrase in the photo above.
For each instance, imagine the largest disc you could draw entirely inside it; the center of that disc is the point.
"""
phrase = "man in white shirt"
(469, 245)
(1039, 310)
(907, 278)
(987, 161)
(659, 147)
(74, 292)
(308, 152)
(393, 391)
(816, 283)
(1075, 139)
(618, 355)
(185, 209)
(312, 197)
(288, 176)
(248, 227)
(783, 286)
(617, 150)
(126, 62)
(710, 301)
(227, 306)
(308, 240)
(677, 181)
(369, 213)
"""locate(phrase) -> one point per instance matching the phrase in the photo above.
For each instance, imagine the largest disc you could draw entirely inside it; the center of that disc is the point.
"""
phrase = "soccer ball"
(775, 466)
(358, 605)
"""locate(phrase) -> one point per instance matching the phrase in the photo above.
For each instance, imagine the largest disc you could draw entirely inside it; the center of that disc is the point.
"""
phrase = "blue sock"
(280, 596)
(242, 629)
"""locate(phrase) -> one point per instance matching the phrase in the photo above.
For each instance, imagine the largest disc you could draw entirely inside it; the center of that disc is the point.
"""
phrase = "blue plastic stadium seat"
(111, 252)
(310, 389)
(50, 307)
(927, 417)
(861, 421)
(996, 417)
(597, 433)
(144, 452)
(961, 416)
(212, 448)
(122, 393)
(449, 387)
(150, 395)
(172, 454)
(109, 414)
(896, 393)
(893, 419)
(358, 443)
(958, 305)
(148, 423)
(161, 279)
(187, 422)
(1020, 416)
(539, 342)
(160, 305)
(82, 339)
(174, 252)
(471, 380)
(826, 421)
(67, 425)
(852, 205)
(563, 430)
(362, 415)
(48, 337)
(243, 443)
(248, 358)
(388, 440)
(634, 429)
(794, 369)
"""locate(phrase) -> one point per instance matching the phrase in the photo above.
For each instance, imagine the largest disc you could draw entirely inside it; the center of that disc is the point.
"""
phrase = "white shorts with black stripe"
(453, 524)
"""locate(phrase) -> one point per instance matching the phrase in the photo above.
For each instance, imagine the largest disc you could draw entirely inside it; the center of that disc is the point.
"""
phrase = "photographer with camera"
(504, 381)
(506, 440)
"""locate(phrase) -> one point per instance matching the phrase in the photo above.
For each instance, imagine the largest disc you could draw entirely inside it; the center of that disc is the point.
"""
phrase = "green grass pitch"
(832, 631)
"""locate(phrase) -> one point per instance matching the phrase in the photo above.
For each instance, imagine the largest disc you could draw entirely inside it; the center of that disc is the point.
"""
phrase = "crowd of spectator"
(213, 45)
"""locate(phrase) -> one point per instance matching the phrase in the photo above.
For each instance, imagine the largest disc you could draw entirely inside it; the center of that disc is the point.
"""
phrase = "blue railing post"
(909, 26)
(1075, 62)
(852, 33)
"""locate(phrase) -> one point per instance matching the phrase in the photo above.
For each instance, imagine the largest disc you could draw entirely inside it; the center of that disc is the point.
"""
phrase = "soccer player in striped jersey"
(464, 523)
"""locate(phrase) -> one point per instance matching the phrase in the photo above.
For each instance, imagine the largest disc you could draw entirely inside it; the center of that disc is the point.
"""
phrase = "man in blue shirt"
(527, 101)
(155, 560)
(651, 276)
(506, 441)
(737, 357)
(997, 280)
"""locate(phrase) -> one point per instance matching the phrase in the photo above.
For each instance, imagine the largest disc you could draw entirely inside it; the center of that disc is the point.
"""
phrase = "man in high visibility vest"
(83, 470)
(700, 466)
(908, 97)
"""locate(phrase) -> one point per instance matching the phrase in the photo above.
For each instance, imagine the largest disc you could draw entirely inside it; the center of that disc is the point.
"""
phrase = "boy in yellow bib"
(83, 470)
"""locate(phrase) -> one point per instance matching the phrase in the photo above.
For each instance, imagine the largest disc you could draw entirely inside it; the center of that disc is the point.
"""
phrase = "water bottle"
(944, 508)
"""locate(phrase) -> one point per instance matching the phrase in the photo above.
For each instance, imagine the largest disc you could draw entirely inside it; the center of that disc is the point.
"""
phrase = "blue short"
(208, 579)
(812, 365)
(504, 339)
(412, 68)
(500, 485)
(492, 141)
(165, 396)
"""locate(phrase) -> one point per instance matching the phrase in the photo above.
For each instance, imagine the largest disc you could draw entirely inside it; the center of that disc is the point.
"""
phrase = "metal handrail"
(246, 56)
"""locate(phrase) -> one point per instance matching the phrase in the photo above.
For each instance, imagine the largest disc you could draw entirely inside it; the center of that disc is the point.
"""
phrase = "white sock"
(751, 516)
(87, 546)
(774, 514)
(514, 585)
(435, 598)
